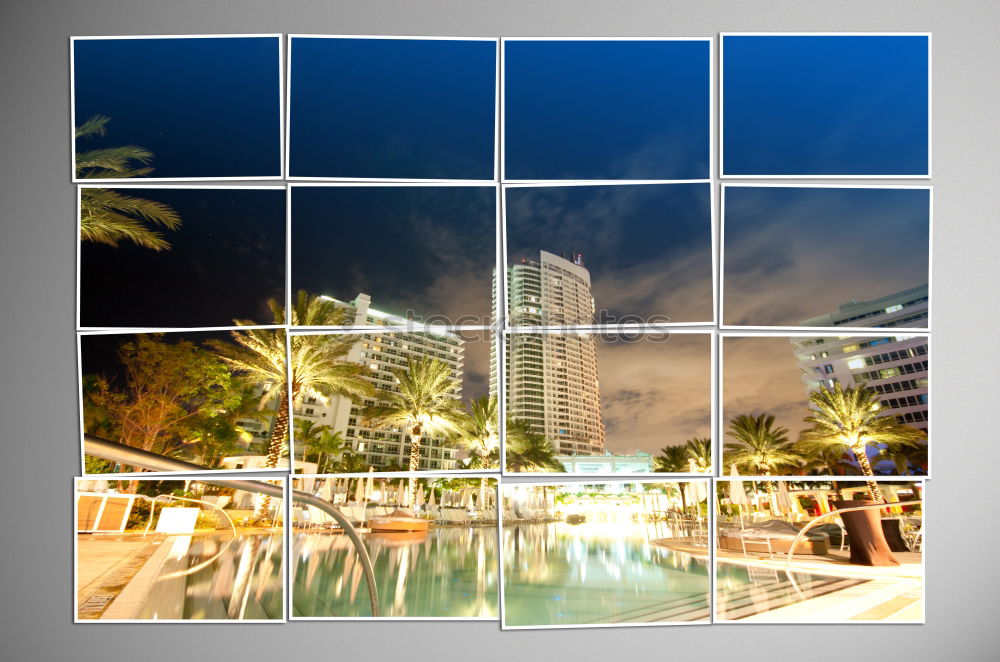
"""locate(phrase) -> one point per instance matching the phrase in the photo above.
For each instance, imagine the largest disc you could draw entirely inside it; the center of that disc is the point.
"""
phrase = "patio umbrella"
(737, 495)
(400, 492)
(419, 500)
(370, 487)
(359, 491)
(430, 501)
(325, 492)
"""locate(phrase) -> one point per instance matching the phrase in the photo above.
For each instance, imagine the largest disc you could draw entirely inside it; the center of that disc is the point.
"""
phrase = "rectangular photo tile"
(605, 554)
(613, 254)
(433, 260)
(407, 400)
(819, 551)
(216, 400)
(171, 256)
(194, 107)
(826, 105)
(179, 549)
(586, 109)
(392, 108)
(606, 403)
(395, 547)
(831, 257)
(825, 405)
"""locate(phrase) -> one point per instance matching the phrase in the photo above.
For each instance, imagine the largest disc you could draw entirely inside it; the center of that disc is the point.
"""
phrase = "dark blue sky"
(607, 109)
(426, 249)
(205, 107)
(825, 105)
(795, 253)
(648, 247)
(393, 108)
(225, 261)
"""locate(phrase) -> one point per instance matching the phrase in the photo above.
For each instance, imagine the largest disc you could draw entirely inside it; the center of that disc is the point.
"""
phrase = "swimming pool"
(444, 572)
(743, 591)
(562, 574)
(244, 582)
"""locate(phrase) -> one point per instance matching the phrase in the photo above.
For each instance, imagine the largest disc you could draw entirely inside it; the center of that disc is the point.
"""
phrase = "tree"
(480, 438)
(829, 461)
(760, 448)
(320, 440)
(850, 419)
(318, 366)
(424, 403)
(350, 463)
(110, 217)
(528, 450)
(699, 449)
(167, 387)
(674, 459)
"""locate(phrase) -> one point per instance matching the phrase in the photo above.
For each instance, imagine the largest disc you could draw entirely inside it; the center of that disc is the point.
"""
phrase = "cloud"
(655, 394)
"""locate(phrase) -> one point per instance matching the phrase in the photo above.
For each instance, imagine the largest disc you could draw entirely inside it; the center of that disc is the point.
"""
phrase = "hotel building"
(896, 366)
(382, 352)
(551, 378)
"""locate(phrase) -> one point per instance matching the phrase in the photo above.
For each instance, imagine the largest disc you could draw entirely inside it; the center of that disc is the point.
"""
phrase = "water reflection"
(563, 574)
(241, 579)
(444, 572)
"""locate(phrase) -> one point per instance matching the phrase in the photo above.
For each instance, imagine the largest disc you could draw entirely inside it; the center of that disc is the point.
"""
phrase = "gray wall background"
(38, 427)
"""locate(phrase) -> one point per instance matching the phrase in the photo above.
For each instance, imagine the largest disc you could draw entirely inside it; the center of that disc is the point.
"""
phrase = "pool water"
(743, 591)
(562, 574)
(243, 582)
(444, 572)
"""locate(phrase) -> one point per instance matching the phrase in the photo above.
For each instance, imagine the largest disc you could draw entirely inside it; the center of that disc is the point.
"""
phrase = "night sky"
(795, 253)
(205, 107)
(761, 375)
(648, 247)
(825, 105)
(427, 249)
(99, 353)
(607, 109)
(655, 394)
(226, 260)
(393, 108)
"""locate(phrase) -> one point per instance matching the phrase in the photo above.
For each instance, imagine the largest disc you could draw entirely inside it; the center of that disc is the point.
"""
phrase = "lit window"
(892, 309)
(855, 364)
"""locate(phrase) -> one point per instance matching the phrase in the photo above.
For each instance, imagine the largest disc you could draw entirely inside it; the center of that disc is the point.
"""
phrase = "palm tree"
(674, 459)
(907, 459)
(828, 461)
(762, 448)
(699, 449)
(350, 463)
(480, 438)
(317, 363)
(319, 440)
(528, 450)
(424, 403)
(109, 217)
(850, 419)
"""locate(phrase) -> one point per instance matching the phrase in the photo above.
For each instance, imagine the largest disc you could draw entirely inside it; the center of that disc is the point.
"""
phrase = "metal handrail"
(795, 542)
(115, 452)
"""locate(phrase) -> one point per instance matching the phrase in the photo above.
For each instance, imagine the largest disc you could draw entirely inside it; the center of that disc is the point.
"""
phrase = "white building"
(382, 352)
(607, 463)
(907, 309)
(895, 366)
(552, 378)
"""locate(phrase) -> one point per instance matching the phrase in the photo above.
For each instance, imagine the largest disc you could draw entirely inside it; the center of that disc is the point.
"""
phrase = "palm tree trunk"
(866, 469)
(279, 437)
(772, 497)
(414, 456)
(684, 503)
(482, 493)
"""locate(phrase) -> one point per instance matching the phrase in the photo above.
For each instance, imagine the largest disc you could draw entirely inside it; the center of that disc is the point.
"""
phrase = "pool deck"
(105, 565)
(886, 594)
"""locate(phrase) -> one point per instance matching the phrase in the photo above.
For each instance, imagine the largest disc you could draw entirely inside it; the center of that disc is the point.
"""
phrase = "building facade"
(895, 366)
(552, 378)
(607, 463)
(382, 352)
